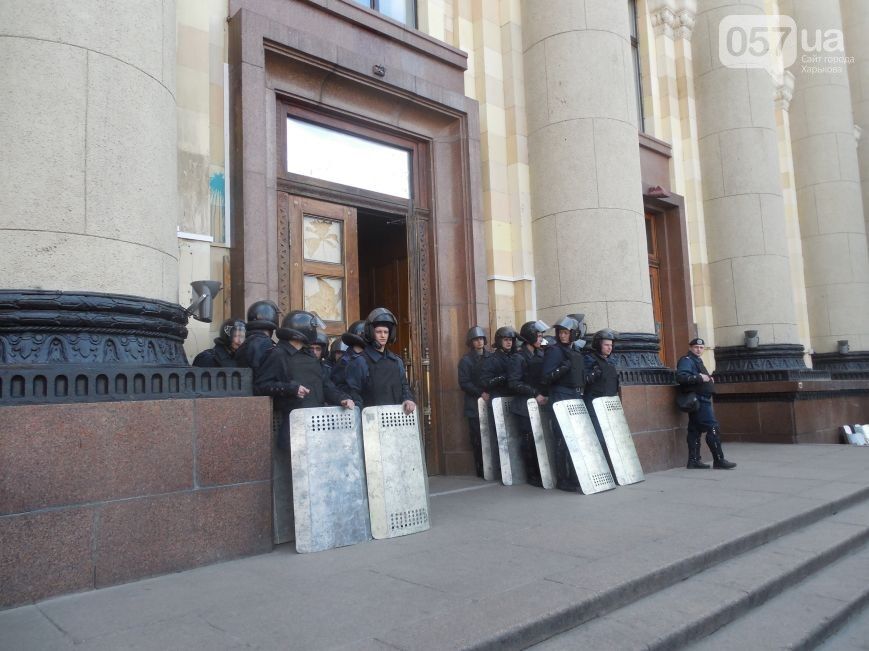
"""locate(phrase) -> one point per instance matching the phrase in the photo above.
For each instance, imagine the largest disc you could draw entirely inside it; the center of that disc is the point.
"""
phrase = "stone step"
(701, 604)
(804, 616)
(522, 617)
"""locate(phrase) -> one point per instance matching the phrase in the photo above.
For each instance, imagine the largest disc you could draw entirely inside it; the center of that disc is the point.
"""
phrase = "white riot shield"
(617, 436)
(509, 443)
(330, 501)
(588, 458)
(544, 443)
(395, 467)
(489, 443)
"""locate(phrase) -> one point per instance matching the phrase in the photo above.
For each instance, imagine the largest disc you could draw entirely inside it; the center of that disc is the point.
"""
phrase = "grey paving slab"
(498, 562)
(853, 636)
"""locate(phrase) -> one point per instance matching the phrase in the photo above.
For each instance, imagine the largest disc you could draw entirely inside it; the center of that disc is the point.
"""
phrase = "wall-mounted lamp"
(202, 307)
(751, 339)
(843, 348)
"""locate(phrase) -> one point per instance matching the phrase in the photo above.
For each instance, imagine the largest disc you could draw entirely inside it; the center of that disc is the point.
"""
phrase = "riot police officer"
(262, 320)
(497, 365)
(353, 341)
(692, 376)
(319, 348)
(293, 375)
(470, 372)
(336, 352)
(227, 343)
(378, 374)
(601, 376)
(563, 371)
(525, 380)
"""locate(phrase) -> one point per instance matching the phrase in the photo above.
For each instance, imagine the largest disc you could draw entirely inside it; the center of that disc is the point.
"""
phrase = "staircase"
(788, 586)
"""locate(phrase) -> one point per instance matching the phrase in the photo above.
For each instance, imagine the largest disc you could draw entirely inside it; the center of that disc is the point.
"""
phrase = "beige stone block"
(194, 13)
(808, 211)
(703, 58)
(816, 159)
(758, 282)
(617, 163)
(713, 174)
(131, 156)
(536, 101)
(193, 90)
(826, 108)
(193, 48)
(543, 18)
(848, 310)
(749, 160)
(43, 139)
(545, 235)
(579, 61)
(169, 57)
(826, 260)
(734, 227)
(630, 316)
(839, 208)
(723, 87)
(72, 262)
(849, 167)
(761, 95)
(131, 32)
(608, 16)
(723, 291)
(194, 132)
(774, 223)
(560, 179)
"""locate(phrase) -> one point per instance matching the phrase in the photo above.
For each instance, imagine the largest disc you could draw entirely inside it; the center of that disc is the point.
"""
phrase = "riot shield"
(619, 444)
(588, 458)
(330, 501)
(395, 468)
(509, 443)
(489, 443)
(544, 443)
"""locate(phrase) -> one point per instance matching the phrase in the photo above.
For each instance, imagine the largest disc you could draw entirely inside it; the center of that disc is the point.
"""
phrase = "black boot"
(718, 460)
(694, 461)
(565, 475)
(532, 469)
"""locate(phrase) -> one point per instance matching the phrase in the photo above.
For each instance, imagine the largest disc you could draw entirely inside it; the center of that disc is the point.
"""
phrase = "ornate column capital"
(784, 91)
(685, 18)
(662, 13)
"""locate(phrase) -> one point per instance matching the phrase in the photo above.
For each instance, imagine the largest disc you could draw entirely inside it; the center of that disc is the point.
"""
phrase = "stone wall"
(93, 495)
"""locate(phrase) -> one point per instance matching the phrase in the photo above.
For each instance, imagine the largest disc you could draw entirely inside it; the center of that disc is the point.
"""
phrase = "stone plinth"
(790, 412)
(97, 494)
(657, 427)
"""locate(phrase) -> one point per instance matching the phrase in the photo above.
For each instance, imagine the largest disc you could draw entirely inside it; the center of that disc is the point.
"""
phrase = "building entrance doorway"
(341, 262)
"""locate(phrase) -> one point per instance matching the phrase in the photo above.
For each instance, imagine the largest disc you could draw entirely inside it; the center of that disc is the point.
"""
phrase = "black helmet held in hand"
(228, 330)
(505, 332)
(301, 326)
(262, 315)
(380, 316)
(531, 330)
(355, 335)
(475, 333)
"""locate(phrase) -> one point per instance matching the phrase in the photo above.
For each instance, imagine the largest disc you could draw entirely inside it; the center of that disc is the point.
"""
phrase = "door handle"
(426, 369)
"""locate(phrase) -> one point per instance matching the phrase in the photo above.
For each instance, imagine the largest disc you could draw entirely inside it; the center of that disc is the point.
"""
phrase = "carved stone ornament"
(637, 356)
(766, 363)
(843, 366)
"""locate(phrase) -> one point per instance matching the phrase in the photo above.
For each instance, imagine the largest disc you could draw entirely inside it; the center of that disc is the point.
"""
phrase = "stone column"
(88, 191)
(855, 20)
(746, 232)
(827, 177)
(586, 199)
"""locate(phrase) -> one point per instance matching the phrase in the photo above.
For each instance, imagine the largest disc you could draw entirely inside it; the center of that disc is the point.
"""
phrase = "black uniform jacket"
(470, 380)
(220, 355)
(378, 378)
(688, 371)
(602, 377)
(525, 378)
(253, 351)
(494, 374)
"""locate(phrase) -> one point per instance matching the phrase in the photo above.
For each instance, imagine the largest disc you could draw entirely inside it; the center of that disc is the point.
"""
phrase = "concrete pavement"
(501, 566)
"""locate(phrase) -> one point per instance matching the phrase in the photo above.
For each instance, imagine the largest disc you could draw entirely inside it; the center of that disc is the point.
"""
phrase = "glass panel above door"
(341, 158)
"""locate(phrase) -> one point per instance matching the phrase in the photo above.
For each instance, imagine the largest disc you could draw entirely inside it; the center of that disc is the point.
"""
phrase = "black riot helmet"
(262, 315)
(228, 330)
(568, 323)
(301, 326)
(322, 339)
(505, 332)
(337, 347)
(600, 335)
(531, 330)
(355, 335)
(583, 326)
(380, 316)
(475, 333)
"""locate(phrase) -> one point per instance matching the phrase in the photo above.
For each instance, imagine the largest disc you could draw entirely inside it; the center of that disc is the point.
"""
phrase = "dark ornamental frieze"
(765, 363)
(843, 366)
(52, 327)
(638, 358)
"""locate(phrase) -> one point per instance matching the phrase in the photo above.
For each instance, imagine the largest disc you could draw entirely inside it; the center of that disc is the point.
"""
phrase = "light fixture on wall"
(751, 339)
(202, 307)
(843, 348)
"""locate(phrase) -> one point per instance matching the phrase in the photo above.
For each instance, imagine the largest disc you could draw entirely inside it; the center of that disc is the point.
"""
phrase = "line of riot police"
(527, 365)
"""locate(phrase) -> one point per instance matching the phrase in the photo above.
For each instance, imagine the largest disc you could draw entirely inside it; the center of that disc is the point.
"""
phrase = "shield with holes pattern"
(488, 442)
(544, 443)
(330, 500)
(588, 458)
(509, 442)
(619, 443)
(395, 468)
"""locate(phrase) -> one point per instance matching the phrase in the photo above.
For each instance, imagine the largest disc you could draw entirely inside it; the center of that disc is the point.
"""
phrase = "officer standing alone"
(692, 376)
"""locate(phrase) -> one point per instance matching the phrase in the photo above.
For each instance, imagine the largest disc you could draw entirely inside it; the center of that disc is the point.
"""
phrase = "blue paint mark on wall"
(217, 196)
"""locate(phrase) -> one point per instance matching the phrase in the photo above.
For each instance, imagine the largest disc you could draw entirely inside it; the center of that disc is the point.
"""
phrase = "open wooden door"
(319, 269)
